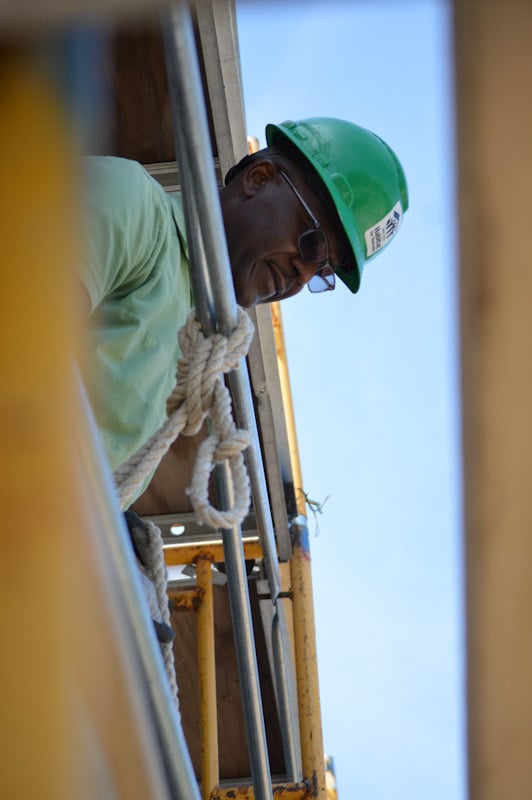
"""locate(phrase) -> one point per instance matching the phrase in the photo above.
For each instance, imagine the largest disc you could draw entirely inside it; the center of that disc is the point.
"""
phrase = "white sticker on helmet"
(381, 233)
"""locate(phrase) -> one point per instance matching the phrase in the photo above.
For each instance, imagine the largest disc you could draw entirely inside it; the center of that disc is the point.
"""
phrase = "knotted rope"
(200, 389)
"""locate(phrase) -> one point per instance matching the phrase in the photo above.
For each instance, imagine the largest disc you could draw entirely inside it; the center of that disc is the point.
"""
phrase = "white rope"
(200, 389)
(155, 571)
(226, 442)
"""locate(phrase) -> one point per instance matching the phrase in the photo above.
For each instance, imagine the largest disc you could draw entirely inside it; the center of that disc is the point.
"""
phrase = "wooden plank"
(494, 75)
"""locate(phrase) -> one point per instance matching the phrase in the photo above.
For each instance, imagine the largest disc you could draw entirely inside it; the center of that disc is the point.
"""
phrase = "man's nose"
(305, 270)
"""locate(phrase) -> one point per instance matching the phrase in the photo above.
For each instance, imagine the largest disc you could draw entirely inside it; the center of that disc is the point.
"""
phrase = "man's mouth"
(271, 282)
(280, 281)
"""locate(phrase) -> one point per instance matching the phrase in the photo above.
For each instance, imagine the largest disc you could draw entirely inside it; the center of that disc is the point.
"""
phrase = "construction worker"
(319, 202)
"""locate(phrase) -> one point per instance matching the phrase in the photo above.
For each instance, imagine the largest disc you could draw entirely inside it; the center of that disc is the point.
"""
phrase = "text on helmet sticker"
(384, 230)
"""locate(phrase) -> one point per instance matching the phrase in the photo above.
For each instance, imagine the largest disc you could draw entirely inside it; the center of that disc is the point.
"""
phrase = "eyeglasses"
(314, 248)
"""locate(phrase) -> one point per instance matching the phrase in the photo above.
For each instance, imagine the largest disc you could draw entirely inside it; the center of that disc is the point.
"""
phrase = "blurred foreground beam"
(493, 80)
(75, 721)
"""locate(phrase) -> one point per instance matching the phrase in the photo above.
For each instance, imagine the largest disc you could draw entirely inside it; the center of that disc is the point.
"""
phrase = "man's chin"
(248, 296)
(247, 302)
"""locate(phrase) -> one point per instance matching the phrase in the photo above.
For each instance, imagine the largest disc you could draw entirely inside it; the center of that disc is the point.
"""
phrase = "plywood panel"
(234, 760)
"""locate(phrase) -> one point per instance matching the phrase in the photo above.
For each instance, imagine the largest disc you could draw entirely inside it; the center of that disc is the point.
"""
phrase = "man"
(321, 200)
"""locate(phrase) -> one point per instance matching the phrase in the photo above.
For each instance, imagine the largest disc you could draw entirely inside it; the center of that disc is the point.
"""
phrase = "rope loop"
(200, 390)
(226, 443)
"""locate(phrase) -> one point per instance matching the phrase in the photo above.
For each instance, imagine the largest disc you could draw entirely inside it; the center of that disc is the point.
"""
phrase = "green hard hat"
(363, 176)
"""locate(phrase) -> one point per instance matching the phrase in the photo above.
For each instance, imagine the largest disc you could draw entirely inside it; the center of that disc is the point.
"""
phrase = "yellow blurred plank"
(73, 719)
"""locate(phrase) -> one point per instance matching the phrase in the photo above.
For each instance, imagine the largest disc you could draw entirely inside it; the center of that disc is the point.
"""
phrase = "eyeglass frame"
(327, 281)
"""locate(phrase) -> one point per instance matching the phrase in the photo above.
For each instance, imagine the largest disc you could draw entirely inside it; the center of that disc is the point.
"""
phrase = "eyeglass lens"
(323, 281)
(313, 246)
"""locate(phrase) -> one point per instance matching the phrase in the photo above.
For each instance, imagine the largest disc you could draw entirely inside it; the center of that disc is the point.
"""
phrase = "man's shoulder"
(114, 168)
(122, 189)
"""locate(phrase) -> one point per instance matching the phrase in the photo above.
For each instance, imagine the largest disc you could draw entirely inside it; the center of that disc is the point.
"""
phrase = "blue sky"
(375, 385)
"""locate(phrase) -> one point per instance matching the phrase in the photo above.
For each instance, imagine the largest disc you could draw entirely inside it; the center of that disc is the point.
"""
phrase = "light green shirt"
(135, 269)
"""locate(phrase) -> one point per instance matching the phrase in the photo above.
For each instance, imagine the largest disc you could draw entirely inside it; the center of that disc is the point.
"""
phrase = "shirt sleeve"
(126, 213)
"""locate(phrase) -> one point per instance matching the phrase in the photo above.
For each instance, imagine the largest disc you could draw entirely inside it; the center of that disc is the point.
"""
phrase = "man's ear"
(257, 175)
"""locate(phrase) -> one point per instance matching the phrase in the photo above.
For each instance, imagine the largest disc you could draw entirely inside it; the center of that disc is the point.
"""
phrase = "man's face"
(263, 221)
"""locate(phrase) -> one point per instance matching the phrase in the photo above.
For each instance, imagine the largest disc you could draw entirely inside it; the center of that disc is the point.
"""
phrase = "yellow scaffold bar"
(281, 791)
(207, 679)
(178, 554)
(312, 753)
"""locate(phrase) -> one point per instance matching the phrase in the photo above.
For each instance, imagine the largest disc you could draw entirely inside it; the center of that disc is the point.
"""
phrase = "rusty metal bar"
(175, 555)
(281, 791)
(210, 775)
(312, 754)
(185, 600)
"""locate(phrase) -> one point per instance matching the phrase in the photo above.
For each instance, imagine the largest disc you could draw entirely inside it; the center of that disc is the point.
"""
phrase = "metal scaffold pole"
(217, 311)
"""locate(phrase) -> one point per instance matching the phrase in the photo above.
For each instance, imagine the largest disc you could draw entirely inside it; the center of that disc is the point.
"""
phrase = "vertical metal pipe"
(246, 653)
(213, 278)
(210, 776)
(280, 654)
(205, 230)
(245, 418)
(214, 41)
(246, 657)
